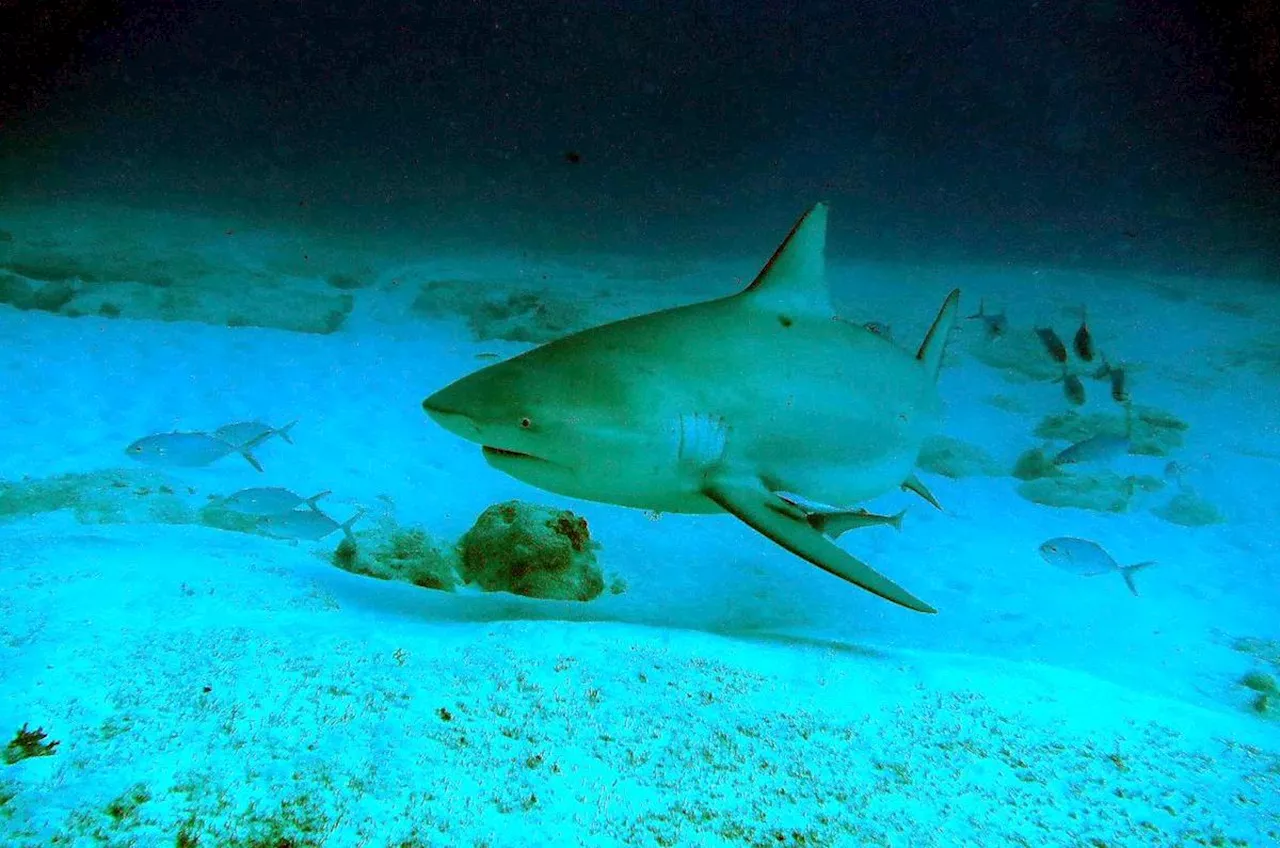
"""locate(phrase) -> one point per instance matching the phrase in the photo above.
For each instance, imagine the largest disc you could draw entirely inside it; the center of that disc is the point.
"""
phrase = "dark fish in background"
(1116, 374)
(1087, 559)
(1119, 391)
(995, 323)
(1176, 474)
(1083, 341)
(1073, 388)
(1052, 343)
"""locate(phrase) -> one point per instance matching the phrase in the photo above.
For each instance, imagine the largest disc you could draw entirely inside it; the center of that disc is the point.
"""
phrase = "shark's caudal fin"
(935, 341)
(786, 524)
(794, 280)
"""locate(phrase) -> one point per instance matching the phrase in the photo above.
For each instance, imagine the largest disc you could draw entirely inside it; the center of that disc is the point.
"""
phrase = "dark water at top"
(1092, 134)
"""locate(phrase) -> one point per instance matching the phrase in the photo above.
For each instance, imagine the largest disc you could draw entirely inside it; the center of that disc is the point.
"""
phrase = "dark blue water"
(1113, 134)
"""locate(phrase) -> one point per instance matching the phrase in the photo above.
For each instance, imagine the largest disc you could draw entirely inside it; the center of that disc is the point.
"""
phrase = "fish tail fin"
(345, 526)
(311, 501)
(283, 432)
(895, 521)
(1128, 571)
(935, 341)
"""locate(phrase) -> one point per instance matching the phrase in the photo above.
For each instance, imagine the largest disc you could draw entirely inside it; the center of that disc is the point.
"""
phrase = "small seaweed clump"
(1266, 702)
(28, 743)
(532, 550)
(395, 553)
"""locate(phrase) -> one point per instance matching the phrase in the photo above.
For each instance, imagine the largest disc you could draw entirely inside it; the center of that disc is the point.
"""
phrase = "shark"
(761, 404)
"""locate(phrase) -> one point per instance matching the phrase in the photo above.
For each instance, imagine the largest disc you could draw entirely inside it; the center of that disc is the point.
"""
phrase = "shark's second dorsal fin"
(794, 281)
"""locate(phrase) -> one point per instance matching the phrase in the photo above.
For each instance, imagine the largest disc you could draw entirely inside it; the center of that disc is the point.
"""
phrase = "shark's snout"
(455, 422)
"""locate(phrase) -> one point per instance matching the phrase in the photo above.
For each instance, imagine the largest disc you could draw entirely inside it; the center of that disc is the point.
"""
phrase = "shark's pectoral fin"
(787, 525)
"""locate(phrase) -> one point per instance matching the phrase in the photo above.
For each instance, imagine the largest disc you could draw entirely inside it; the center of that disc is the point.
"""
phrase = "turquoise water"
(314, 218)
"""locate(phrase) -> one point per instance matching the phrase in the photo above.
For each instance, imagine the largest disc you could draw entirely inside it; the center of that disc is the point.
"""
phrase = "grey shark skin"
(717, 406)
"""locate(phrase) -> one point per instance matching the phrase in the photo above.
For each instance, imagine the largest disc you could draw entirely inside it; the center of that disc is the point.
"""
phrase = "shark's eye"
(526, 423)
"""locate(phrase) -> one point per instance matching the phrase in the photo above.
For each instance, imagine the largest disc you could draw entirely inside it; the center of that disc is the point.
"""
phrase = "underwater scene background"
(252, 594)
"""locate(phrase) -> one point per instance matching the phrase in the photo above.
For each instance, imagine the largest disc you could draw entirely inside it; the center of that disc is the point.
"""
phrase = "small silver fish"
(486, 356)
(308, 525)
(1083, 341)
(1052, 343)
(1097, 448)
(268, 500)
(1087, 559)
(244, 432)
(187, 450)
(995, 323)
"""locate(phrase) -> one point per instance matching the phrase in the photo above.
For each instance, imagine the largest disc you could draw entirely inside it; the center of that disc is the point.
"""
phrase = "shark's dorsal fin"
(935, 341)
(794, 281)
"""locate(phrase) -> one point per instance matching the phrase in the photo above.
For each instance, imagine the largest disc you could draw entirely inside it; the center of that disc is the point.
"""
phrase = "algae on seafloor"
(1190, 510)
(955, 459)
(1034, 464)
(1104, 491)
(513, 312)
(1266, 650)
(389, 551)
(118, 496)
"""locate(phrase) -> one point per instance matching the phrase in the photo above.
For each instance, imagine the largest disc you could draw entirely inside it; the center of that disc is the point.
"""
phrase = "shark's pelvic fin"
(788, 526)
(794, 281)
(914, 484)
(935, 341)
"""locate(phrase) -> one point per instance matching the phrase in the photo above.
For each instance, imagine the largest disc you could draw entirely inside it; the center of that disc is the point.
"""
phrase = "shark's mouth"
(503, 453)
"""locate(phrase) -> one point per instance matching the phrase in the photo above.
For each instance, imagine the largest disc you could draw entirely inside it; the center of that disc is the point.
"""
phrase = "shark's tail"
(935, 341)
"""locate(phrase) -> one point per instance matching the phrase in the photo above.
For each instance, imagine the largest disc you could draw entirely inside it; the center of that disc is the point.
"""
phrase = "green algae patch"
(509, 311)
(1189, 510)
(1101, 492)
(392, 552)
